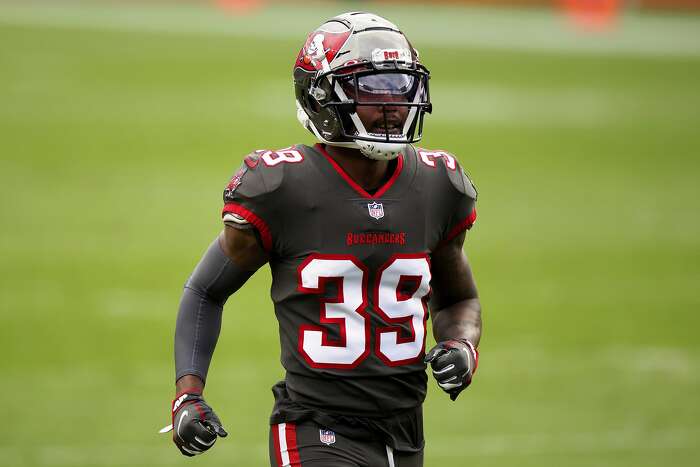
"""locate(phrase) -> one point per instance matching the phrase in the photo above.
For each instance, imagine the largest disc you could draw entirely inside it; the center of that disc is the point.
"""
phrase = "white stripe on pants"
(282, 435)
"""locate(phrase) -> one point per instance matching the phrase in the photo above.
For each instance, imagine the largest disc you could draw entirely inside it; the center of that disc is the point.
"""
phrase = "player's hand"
(195, 425)
(453, 363)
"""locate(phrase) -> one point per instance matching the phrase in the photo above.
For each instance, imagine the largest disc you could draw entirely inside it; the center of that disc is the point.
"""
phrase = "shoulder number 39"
(401, 288)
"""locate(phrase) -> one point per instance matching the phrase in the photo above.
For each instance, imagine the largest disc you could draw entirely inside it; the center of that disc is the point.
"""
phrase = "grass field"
(120, 125)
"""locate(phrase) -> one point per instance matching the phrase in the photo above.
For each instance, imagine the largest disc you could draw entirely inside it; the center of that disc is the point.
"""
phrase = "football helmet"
(359, 66)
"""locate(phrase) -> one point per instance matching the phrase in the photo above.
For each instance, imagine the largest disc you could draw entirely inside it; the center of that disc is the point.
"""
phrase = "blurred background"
(121, 122)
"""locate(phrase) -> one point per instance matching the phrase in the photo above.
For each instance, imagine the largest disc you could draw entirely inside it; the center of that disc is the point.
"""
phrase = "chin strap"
(381, 151)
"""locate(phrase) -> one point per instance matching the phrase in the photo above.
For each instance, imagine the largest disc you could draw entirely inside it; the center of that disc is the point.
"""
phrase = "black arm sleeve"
(214, 279)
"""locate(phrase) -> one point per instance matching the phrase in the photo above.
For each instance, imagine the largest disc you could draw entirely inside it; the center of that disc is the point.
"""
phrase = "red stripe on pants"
(291, 434)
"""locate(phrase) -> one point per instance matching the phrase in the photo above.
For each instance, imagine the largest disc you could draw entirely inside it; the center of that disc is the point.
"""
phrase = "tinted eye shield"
(389, 85)
(375, 87)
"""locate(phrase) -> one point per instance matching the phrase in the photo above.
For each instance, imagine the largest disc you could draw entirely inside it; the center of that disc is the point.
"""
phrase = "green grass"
(115, 145)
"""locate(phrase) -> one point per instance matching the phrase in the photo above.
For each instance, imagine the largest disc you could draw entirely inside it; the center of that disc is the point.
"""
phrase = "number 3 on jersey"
(400, 294)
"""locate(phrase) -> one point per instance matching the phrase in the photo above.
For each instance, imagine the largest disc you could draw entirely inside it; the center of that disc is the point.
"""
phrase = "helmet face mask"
(374, 98)
(398, 96)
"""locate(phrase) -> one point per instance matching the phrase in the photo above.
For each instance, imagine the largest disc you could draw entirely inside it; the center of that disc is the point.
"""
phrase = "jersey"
(351, 271)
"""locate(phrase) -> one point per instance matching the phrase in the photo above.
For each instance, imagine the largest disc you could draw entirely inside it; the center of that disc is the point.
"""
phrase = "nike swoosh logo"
(184, 414)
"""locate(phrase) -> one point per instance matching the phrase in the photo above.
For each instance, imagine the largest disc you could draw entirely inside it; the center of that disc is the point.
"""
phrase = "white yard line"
(528, 30)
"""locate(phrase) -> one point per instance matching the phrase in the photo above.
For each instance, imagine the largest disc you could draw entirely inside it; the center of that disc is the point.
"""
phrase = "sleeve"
(249, 199)
(198, 323)
(462, 215)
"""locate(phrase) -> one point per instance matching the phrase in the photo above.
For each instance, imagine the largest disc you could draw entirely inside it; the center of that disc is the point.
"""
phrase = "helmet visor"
(392, 84)
(392, 87)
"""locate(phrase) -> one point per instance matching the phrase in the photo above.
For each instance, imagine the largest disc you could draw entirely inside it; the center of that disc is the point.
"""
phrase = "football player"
(363, 233)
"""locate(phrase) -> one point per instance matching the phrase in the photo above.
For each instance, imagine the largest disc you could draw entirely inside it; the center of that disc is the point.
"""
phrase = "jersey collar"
(353, 184)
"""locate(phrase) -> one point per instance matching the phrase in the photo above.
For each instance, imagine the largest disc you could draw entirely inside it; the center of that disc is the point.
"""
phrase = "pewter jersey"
(351, 269)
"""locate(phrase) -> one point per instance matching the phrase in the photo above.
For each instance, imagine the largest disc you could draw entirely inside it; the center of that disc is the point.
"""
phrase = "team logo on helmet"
(320, 45)
(376, 210)
(326, 436)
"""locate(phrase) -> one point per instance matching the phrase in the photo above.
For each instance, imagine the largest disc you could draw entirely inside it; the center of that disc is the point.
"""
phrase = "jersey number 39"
(401, 288)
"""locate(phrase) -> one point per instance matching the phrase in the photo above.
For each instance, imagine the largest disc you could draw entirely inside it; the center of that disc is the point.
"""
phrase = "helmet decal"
(321, 46)
(383, 55)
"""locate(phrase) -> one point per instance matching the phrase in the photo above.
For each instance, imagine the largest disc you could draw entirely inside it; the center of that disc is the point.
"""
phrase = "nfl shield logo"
(376, 210)
(327, 436)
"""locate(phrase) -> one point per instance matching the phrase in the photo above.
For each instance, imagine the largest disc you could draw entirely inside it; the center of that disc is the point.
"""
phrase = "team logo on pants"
(326, 436)
(376, 210)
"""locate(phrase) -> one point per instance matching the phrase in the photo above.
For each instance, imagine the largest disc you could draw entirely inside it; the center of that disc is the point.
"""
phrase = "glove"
(195, 425)
(453, 362)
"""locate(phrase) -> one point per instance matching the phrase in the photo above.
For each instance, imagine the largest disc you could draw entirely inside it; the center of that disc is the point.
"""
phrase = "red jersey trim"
(353, 184)
(466, 224)
(254, 219)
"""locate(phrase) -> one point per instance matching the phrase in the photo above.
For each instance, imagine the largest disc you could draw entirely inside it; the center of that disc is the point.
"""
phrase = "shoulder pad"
(463, 183)
(261, 172)
(455, 173)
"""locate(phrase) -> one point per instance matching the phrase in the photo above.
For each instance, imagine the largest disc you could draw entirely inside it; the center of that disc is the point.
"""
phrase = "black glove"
(453, 362)
(195, 425)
